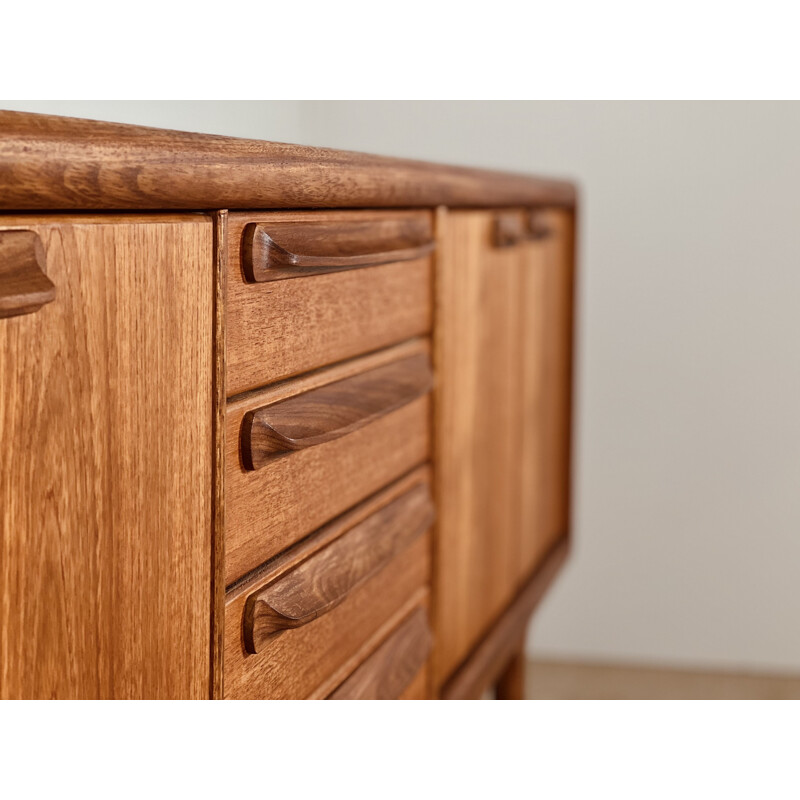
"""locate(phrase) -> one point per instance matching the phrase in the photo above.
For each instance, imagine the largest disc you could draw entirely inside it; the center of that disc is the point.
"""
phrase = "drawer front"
(306, 290)
(302, 453)
(397, 668)
(327, 605)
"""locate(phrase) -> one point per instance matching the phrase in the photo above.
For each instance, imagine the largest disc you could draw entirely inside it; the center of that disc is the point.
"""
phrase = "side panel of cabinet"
(502, 420)
(106, 425)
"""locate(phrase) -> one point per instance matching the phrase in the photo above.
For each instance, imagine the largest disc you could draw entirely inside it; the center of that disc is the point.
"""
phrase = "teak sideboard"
(276, 421)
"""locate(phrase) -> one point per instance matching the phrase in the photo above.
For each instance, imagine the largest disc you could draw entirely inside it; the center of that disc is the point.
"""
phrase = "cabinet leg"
(511, 683)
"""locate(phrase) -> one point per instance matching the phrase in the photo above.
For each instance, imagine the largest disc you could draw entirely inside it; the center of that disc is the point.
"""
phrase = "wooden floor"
(551, 680)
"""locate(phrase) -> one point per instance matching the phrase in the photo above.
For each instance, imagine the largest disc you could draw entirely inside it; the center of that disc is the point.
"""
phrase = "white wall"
(688, 454)
(275, 120)
(687, 504)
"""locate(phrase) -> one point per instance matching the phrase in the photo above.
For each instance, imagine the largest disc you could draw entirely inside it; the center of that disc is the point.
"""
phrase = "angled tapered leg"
(511, 683)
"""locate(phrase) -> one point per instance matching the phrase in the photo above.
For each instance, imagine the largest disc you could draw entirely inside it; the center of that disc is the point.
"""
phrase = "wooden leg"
(511, 683)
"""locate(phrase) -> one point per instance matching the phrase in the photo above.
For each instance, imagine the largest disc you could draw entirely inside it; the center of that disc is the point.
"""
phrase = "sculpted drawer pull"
(279, 250)
(538, 226)
(24, 287)
(325, 579)
(511, 229)
(327, 413)
(387, 673)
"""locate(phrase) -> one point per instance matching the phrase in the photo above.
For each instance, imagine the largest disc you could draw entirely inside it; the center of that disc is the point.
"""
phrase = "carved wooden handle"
(390, 669)
(279, 250)
(538, 226)
(510, 229)
(325, 579)
(332, 411)
(24, 287)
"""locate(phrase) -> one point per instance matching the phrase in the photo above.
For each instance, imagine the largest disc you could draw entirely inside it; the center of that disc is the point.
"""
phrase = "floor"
(552, 680)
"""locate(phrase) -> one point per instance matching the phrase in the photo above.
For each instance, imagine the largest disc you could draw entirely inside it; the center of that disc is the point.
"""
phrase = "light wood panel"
(218, 492)
(106, 410)
(285, 327)
(392, 670)
(534, 462)
(500, 430)
(557, 382)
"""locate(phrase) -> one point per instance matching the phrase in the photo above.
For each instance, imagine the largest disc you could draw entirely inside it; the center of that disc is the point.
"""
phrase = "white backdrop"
(687, 503)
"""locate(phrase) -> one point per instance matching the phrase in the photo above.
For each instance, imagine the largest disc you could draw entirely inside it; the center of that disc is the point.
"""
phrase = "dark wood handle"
(280, 250)
(332, 411)
(538, 225)
(24, 286)
(509, 230)
(512, 228)
(326, 578)
(386, 674)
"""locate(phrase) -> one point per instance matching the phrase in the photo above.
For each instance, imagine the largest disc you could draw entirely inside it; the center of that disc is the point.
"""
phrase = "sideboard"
(277, 421)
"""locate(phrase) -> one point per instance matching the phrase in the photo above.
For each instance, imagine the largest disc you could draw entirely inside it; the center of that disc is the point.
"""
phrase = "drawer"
(308, 289)
(397, 668)
(306, 622)
(305, 451)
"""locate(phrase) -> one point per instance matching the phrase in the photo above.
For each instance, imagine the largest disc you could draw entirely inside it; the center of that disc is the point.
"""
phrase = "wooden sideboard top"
(58, 163)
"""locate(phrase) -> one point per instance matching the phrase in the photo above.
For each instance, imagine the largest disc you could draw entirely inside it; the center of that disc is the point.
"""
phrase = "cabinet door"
(503, 346)
(106, 412)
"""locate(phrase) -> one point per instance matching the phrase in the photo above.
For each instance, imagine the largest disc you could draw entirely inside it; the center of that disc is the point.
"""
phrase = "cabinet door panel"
(559, 327)
(502, 416)
(105, 480)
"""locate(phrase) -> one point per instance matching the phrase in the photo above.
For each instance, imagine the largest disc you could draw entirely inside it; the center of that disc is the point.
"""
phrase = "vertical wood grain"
(532, 455)
(559, 291)
(106, 408)
(218, 493)
(477, 330)
(501, 421)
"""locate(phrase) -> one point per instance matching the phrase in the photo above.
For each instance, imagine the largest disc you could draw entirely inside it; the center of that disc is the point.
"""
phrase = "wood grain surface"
(390, 670)
(283, 250)
(271, 508)
(321, 538)
(559, 323)
(49, 162)
(313, 660)
(326, 578)
(332, 411)
(283, 328)
(499, 435)
(218, 491)
(106, 410)
(492, 654)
